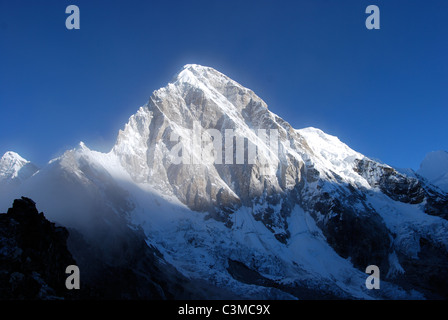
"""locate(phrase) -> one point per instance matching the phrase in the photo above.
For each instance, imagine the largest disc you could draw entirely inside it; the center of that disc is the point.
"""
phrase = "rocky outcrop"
(33, 254)
(394, 184)
(400, 187)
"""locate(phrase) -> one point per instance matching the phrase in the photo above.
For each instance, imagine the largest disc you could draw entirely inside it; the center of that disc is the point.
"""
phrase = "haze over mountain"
(435, 168)
(304, 224)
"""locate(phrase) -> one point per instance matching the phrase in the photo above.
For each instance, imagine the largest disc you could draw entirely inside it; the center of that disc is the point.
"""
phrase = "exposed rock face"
(215, 102)
(397, 186)
(33, 254)
(402, 188)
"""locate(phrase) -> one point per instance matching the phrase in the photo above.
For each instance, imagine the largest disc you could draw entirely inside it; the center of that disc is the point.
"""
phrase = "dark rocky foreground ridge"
(34, 254)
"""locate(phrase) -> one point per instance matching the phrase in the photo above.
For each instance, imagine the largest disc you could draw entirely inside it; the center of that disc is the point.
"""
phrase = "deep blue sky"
(383, 92)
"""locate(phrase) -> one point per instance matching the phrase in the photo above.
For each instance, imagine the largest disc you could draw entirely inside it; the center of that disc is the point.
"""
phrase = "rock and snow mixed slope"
(308, 229)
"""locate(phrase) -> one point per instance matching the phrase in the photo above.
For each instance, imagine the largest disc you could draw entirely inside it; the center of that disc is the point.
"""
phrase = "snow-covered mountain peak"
(10, 165)
(12, 156)
(333, 159)
(207, 83)
(14, 167)
(328, 146)
(203, 96)
(195, 72)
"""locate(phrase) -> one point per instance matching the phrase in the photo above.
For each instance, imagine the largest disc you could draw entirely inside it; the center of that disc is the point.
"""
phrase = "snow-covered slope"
(303, 219)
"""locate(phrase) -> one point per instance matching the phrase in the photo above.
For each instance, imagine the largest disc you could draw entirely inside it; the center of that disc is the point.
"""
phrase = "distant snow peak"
(13, 166)
(10, 164)
(11, 155)
(435, 169)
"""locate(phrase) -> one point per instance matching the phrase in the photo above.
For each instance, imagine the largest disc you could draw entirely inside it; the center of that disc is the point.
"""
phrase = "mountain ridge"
(313, 220)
